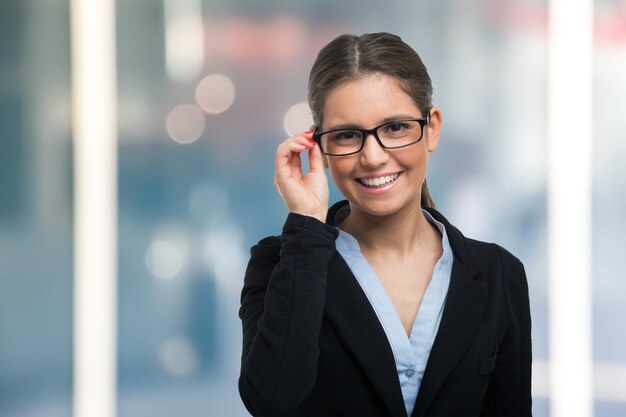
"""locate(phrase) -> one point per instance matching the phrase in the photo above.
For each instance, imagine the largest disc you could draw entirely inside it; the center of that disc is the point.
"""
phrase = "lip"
(379, 190)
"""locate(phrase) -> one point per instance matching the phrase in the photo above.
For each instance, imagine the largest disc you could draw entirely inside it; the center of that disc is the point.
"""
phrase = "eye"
(345, 135)
(395, 127)
(399, 130)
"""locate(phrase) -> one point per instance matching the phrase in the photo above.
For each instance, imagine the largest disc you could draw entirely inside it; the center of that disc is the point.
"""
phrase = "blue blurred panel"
(12, 151)
(12, 158)
(35, 215)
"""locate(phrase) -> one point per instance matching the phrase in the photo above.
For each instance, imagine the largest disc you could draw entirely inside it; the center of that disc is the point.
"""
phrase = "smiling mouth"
(378, 182)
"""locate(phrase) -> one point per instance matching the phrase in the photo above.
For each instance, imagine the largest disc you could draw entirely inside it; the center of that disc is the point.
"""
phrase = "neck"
(402, 232)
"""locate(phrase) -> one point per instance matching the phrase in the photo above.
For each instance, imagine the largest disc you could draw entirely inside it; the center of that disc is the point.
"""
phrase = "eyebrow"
(381, 122)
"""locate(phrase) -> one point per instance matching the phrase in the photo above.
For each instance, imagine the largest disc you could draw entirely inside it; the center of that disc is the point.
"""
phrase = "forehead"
(366, 101)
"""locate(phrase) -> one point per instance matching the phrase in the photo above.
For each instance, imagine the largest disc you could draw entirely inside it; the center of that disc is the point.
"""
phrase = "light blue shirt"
(410, 353)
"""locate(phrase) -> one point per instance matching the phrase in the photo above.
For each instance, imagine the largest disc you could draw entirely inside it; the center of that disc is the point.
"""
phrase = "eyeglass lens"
(392, 135)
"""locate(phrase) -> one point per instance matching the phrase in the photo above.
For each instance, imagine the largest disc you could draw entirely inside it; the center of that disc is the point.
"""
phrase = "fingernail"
(310, 140)
(308, 131)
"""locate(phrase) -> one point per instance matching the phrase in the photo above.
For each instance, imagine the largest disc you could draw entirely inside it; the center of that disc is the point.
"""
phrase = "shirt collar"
(346, 241)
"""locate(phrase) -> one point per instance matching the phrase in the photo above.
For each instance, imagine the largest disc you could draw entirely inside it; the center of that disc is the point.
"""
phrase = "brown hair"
(350, 57)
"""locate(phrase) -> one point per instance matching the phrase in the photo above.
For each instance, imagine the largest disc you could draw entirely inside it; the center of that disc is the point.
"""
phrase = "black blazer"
(313, 345)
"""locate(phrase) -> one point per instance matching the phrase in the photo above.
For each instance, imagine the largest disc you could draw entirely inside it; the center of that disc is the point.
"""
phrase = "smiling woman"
(377, 305)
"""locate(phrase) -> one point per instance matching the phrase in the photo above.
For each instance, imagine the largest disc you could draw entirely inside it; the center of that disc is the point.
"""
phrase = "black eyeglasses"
(390, 135)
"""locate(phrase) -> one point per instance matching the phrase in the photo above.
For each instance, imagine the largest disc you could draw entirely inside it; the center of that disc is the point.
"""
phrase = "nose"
(373, 154)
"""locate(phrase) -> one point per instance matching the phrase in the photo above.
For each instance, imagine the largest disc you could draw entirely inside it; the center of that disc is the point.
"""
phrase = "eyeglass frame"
(423, 121)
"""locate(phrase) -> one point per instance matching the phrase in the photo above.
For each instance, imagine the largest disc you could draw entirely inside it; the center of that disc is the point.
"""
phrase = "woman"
(378, 306)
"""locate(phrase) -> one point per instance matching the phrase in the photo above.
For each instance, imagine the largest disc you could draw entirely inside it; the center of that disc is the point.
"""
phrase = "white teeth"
(377, 182)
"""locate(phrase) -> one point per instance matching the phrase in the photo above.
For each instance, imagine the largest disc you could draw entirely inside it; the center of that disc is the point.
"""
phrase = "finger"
(316, 161)
(295, 165)
(296, 143)
(288, 158)
(308, 138)
(308, 135)
(283, 151)
(283, 156)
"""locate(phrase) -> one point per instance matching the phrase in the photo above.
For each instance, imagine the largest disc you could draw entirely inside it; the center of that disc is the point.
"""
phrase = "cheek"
(340, 170)
(415, 159)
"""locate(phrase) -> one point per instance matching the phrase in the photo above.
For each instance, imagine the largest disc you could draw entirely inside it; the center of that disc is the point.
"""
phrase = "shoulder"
(505, 276)
(503, 272)
(488, 259)
(497, 261)
(493, 251)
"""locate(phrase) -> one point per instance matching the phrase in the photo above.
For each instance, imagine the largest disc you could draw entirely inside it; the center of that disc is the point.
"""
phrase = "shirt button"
(409, 372)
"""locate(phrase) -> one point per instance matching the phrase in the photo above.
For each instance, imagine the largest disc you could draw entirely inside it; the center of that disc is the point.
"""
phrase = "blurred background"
(206, 90)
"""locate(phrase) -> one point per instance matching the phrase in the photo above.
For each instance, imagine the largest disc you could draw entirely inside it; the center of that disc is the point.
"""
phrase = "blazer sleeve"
(509, 390)
(282, 306)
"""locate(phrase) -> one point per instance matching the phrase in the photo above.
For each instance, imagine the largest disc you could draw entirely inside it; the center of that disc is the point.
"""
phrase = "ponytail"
(427, 200)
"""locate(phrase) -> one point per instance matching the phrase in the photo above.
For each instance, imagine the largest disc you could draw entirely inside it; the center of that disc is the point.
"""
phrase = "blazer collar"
(459, 243)
(357, 324)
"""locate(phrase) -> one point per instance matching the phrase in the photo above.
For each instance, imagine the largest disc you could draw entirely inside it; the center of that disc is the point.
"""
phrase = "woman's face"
(366, 103)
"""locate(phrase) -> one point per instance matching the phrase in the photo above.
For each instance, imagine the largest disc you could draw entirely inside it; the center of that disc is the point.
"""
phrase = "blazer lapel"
(351, 314)
(465, 305)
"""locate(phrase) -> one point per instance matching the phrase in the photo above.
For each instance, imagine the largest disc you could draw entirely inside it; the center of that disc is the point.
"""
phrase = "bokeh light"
(224, 255)
(298, 118)
(179, 357)
(185, 123)
(215, 93)
(165, 258)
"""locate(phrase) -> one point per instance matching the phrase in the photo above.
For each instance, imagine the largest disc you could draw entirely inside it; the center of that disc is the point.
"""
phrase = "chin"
(380, 208)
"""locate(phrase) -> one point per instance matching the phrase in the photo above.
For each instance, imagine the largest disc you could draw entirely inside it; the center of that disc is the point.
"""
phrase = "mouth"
(380, 181)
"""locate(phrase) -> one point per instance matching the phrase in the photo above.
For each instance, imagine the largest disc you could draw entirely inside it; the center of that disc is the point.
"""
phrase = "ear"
(432, 130)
